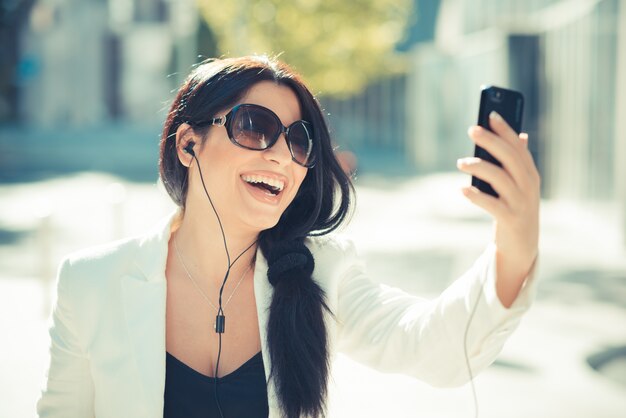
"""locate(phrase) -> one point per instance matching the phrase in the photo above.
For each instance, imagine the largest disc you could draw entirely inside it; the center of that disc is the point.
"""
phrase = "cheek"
(299, 179)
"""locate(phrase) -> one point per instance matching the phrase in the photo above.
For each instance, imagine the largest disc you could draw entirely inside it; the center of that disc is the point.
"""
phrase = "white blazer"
(107, 353)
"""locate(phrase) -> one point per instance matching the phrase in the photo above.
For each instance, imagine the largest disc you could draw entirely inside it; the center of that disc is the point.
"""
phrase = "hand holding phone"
(510, 105)
(515, 210)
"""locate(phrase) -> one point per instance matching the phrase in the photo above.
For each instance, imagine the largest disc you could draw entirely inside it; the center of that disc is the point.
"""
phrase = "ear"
(184, 135)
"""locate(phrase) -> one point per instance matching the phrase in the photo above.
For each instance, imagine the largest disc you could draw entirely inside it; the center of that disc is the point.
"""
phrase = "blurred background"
(85, 86)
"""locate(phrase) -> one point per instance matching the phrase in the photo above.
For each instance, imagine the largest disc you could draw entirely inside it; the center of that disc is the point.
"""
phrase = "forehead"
(278, 98)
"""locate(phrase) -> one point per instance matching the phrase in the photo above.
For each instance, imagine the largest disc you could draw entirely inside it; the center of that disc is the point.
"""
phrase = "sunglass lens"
(253, 128)
(300, 138)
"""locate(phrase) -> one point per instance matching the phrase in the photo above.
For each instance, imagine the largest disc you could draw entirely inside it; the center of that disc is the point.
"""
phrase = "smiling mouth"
(271, 186)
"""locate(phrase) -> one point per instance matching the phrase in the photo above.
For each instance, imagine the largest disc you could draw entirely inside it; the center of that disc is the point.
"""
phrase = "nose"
(279, 152)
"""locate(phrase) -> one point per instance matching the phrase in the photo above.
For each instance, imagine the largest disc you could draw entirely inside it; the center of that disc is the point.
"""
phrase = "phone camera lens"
(497, 96)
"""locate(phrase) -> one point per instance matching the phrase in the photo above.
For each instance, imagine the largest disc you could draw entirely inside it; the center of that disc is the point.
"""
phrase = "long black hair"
(296, 332)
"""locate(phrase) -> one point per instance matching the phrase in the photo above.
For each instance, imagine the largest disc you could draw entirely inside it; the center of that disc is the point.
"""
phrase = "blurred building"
(82, 62)
(561, 54)
(568, 57)
(375, 123)
(86, 84)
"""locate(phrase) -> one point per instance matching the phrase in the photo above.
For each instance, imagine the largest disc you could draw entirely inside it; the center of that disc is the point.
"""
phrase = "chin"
(263, 223)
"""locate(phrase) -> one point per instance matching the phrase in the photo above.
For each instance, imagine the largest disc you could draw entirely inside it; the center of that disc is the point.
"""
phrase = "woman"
(234, 306)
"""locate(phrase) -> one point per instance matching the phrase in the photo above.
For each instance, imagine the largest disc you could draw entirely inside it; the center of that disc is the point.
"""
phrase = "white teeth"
(275, 183)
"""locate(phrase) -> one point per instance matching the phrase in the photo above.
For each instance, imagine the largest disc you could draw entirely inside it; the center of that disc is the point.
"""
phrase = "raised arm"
(395, 332)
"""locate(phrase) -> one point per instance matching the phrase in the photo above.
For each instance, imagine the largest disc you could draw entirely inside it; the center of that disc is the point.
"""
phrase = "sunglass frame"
(227, 121)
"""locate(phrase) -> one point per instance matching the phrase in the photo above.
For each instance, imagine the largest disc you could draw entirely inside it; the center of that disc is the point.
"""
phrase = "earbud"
(189, 148)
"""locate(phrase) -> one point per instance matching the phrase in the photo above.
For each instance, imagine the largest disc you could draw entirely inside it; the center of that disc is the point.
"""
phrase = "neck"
(201, 246)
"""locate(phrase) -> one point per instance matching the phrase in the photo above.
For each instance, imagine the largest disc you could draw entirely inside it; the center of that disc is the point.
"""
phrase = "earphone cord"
(467, 362)
(220, 320)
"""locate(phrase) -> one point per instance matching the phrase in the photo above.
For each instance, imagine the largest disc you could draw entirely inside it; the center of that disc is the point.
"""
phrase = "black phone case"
(510, 105)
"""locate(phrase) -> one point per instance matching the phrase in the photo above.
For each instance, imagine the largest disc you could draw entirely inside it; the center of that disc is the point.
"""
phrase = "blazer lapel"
(144, 292)
(263, 292)
(144, 304)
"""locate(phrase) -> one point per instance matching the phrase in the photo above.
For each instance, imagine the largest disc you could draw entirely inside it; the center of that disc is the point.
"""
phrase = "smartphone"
(510, 105)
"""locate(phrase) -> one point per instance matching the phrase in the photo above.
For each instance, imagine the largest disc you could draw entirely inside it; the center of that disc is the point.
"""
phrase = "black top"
(190, 394)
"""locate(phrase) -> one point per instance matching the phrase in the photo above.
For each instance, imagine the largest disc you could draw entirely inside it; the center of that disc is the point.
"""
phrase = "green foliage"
(337, 45)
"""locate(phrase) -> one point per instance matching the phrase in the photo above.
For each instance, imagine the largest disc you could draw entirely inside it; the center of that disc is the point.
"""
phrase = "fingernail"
(495, 115)
(465, 161)
(473, 129)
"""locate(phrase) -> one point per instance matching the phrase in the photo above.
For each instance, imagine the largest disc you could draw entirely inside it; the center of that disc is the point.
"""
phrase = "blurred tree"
(338, 46)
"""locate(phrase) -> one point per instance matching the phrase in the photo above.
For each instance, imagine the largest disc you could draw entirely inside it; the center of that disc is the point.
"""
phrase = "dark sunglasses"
(257, 128)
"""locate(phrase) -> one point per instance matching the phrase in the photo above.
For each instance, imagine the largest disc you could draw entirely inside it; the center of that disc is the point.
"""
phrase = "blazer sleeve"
(395, 332)
(68, 391)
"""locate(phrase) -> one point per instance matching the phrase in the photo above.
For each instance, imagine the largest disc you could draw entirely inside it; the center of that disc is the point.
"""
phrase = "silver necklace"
(198, 287)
